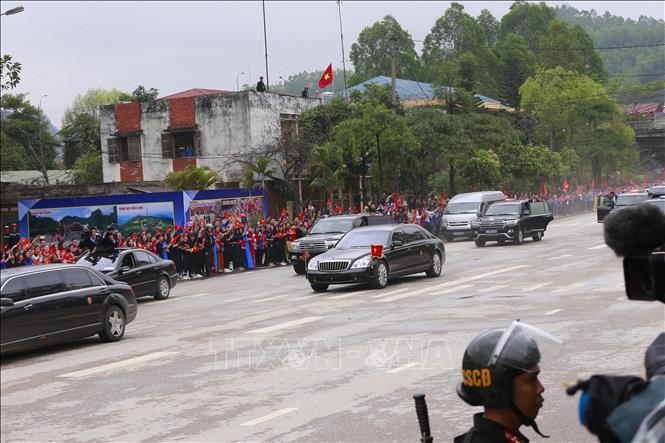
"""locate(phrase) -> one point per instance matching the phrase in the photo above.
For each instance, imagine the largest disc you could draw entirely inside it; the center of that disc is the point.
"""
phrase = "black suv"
(512, 221)
(325, 234)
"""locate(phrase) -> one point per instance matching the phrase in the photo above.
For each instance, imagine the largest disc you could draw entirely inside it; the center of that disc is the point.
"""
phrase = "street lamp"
(13, 11)
(237, 80)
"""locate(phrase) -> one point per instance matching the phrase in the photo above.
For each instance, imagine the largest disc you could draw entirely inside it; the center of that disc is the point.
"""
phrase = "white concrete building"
(146, 141)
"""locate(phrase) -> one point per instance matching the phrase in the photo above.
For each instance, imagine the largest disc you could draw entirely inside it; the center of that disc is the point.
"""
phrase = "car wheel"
(299, 267)
(319, 287)
(113, 327)
(380, 279)
(480, 243)
(163, 289)
(435, 266)
(519, 236)
(538, 236)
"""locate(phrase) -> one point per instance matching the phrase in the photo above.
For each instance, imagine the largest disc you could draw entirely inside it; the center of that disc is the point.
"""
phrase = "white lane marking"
(614, 288)
(275, 414)
(266, 299)
(568, 288)
(352, 294)
(492, 288)
(118, 364)
(591, 224)
(186, 297)
(287, 325)
(536, 286)
(597, 247)
(386, 294)
(432, 289)
(451, 290)
(570, 224)
(402, 368)
(622, 299)
(560, 257)
(553, 311)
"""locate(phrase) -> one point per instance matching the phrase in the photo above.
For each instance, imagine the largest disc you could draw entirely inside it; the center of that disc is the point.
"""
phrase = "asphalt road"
(257, 356)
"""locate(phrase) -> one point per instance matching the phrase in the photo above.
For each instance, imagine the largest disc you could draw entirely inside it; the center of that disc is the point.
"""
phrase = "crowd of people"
(224, 243)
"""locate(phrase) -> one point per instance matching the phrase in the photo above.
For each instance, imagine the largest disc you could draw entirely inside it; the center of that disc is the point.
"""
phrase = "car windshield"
(332, 226)
(462, 208)
(630, 199)
(99, 261)
(360, 238)
(503, 210)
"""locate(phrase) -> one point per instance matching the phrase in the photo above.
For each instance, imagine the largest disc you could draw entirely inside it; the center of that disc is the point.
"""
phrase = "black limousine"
(406, 249)
(43, 305)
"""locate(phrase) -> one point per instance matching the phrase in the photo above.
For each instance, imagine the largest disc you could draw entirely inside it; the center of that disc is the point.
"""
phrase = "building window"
(124, 149)
(185, 144)
(289, 128)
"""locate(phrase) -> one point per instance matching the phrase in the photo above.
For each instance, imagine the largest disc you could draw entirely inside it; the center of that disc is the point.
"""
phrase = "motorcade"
(658, 202)
(621, 201)
(325, 234)
(146, 273)
(463, 209)
(512, 221)
(48, 304)
(375, 254)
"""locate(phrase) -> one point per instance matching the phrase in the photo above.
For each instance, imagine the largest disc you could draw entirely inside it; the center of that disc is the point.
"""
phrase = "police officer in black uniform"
(500, 372)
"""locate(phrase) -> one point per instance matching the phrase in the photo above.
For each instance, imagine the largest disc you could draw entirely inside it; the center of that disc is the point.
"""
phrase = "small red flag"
(593, 183)
(377, 250)
(565, 185)
(503, 187)
(605, 184)
(326, 78)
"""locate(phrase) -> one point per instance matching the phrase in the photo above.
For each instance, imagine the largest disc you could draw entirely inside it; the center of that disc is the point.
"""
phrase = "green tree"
(192, 178)
(448, 87)
(88, 169)
(90, 102)
(80, 137)
(263, 169)
(490, 26)
(26, 142)
(372, 53)
(528, 20)
(564, 103)
(516, 63)
(572, 49)
(316, 125)
(525, 167)
(141, 94)
(482, 170)
(327, 170)
(10, 73)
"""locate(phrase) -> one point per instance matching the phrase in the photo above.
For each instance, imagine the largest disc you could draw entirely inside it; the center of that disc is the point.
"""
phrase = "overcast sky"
(67, 47)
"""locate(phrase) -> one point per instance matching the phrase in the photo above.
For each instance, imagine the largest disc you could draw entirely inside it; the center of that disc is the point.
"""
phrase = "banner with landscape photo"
(207, 211)
(136, 217)
(69, 222)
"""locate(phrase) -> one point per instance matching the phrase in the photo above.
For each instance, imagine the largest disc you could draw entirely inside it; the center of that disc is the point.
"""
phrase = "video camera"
(638, 235)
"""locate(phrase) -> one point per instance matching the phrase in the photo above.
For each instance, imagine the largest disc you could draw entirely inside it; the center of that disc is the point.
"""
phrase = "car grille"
(313, 245)
(492, 224)
(338, 265)
(458, 223)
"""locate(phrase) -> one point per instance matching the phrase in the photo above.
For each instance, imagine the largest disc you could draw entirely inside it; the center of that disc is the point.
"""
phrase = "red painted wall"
(131, 172)
(181, 112)
(181, 163)
(128, 117)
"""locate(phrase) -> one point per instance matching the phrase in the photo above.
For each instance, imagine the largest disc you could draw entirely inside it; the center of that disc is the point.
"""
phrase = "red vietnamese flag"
(565, 185)
(503, 187)
(605, 184)
(593, 183)
(326, 78)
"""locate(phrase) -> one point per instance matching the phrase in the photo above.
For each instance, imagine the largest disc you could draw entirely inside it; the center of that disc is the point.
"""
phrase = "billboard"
(207, 211)
(137, 217)
(69, 222)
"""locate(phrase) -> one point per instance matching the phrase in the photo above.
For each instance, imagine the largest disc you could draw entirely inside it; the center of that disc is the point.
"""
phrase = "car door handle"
(104, 290)
(27, 307)
(139, 272)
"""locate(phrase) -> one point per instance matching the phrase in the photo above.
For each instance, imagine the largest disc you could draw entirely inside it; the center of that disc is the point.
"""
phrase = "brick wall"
(181, 112)
(128, 117)
(180, 164)
(131, 172)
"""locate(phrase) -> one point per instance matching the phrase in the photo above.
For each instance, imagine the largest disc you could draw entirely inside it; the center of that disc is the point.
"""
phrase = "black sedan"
(43, 305)
(146, 273)
(407, 249)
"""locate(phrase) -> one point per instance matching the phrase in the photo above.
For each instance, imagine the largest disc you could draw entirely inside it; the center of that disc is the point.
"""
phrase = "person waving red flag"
(326, 78)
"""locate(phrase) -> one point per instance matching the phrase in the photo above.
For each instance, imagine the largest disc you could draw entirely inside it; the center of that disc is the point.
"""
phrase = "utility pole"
(265, 43)
(393, 71)
(341, 33)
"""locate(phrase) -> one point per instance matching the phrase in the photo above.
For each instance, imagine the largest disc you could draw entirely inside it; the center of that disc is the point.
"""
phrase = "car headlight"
(362, 262)
(313, 265)
(295, 246)
(444, 225)
(511, 222)
(475, 224)
(331, 243)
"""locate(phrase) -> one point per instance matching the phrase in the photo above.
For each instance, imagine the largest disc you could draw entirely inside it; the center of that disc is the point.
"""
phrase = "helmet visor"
(522, 347)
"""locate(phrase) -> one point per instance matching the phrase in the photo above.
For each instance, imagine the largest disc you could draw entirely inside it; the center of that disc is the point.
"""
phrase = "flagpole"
(265, 43)
(341, 34)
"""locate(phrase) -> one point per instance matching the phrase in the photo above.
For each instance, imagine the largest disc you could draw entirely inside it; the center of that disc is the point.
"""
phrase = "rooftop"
(195, 92)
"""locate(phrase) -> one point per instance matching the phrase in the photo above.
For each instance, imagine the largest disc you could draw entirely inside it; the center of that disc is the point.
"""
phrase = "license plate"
(458, 233)
(491, 231)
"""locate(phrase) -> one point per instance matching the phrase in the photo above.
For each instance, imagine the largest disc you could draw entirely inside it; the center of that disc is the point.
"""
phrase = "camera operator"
(629, 408)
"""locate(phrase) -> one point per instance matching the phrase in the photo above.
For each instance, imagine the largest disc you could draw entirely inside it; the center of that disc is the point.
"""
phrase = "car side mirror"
(397, 243)
(527, 212)
(6, 302)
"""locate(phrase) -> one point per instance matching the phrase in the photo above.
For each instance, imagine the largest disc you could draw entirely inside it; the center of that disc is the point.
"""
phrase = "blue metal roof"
(411, 90)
